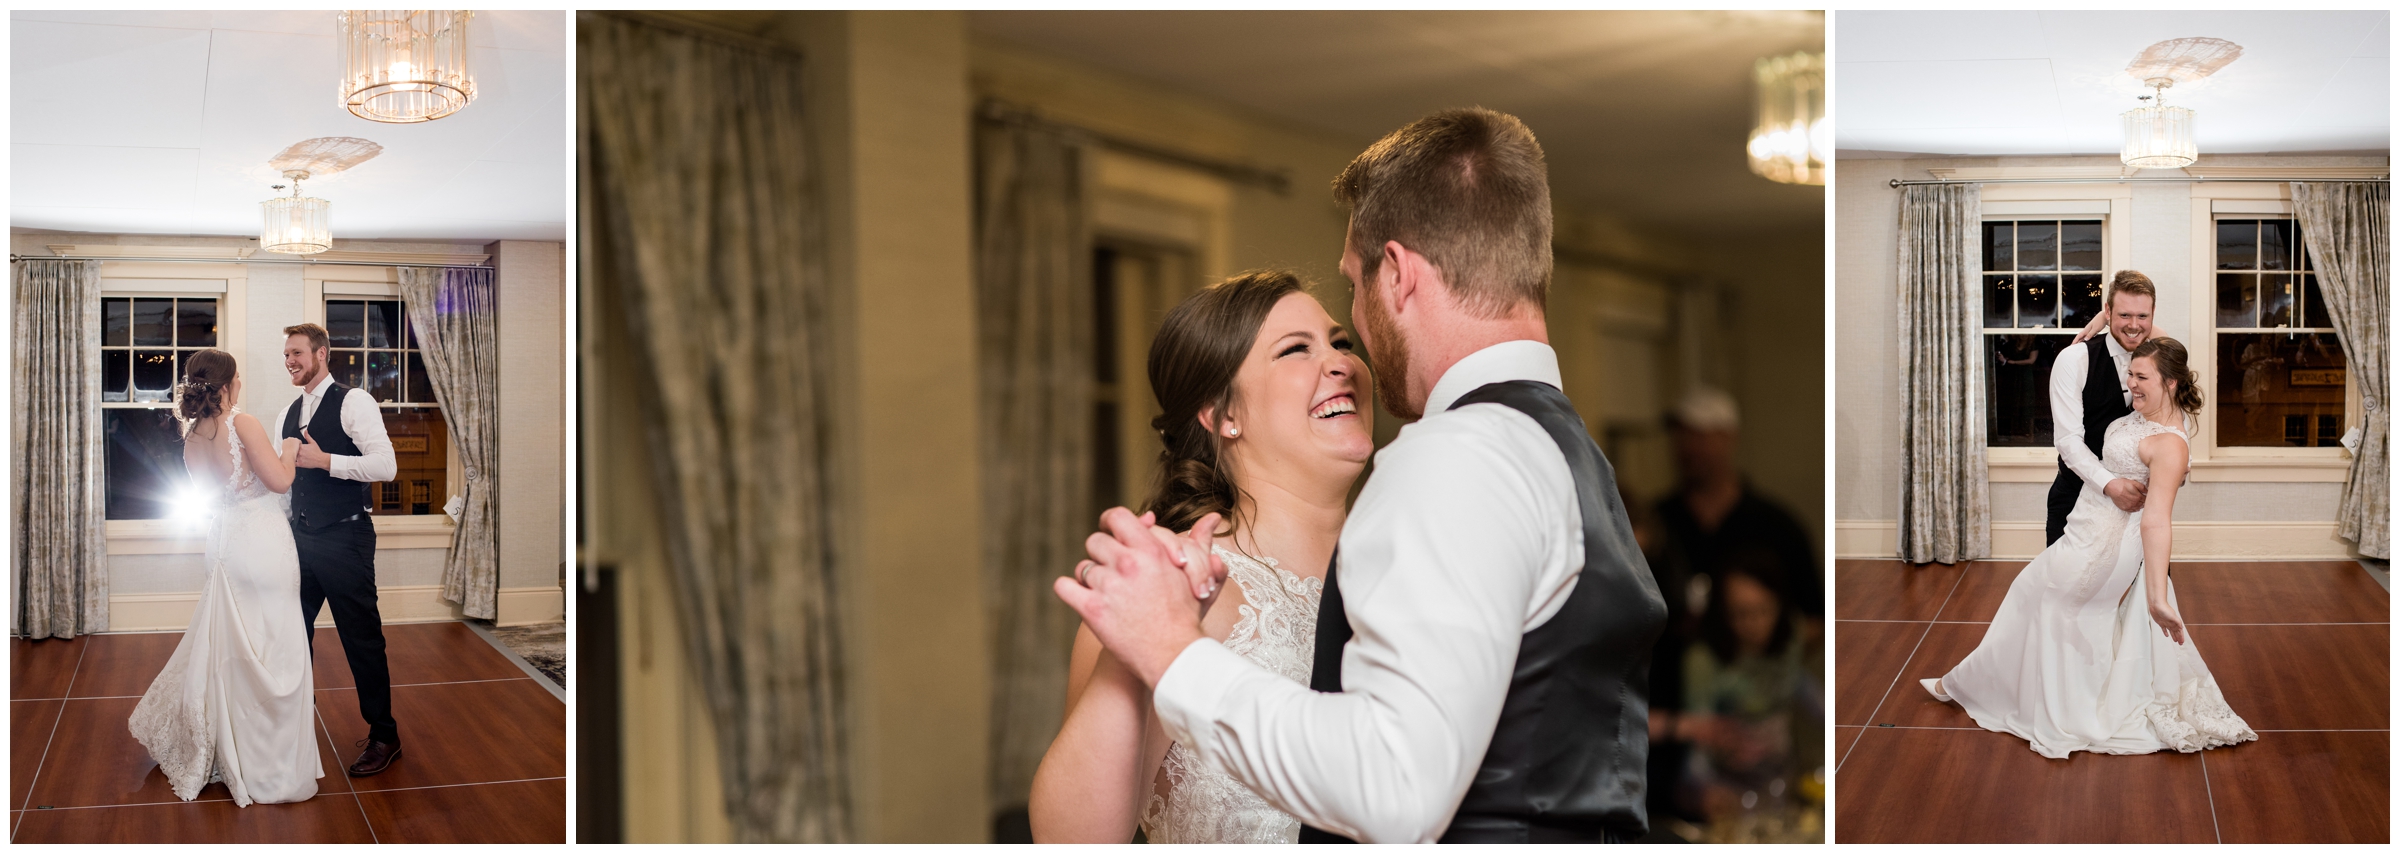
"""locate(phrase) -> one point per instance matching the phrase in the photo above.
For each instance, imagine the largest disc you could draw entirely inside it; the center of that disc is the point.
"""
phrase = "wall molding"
(168, 537)
(1880, 539)
(422, 603)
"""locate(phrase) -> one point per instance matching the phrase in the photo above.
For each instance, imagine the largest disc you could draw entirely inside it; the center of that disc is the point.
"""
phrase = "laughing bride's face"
(1303, 396)
(2149, 391)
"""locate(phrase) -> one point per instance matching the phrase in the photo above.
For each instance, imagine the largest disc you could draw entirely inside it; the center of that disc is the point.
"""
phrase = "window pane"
(145, 462)
(1999, 301)
(2237, 300)
(2000, 246)
(349, 367)
(420, 386)
(195, 323)
(2037, 246)
(380, 316)
(2312, 303)
(153, 375)
(2037, 301)
(346, 322)
(2274, 300)
(153, 322)
(2273, 388)
(421, 452)
(2018, 367)
(407, 326)
(116, 322)
(2237, 244)
(116, 376)
(383, 375)
(2275, 244)
(2079, 246)
(2082, 296)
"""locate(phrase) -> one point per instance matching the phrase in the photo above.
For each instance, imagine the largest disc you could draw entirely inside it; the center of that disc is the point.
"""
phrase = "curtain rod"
(1278, 181)
(13, 258)
(1897, 183)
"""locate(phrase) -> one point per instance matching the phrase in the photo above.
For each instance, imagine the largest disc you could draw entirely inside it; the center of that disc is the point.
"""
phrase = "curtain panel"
(1945, 489)
(456, 317)
(58, 505)
(701, 218)
(1034, 304)
(2348, 227)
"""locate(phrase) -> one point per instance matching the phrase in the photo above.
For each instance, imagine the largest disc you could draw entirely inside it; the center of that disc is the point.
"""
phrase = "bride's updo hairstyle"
(2174, 365)
(1193, 361)
(207, 379)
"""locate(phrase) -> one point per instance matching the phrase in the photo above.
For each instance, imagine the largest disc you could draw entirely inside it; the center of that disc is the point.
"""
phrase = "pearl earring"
(1231, 432)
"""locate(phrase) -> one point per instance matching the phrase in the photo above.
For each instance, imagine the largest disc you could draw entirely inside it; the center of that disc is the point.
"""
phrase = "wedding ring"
(1079, 570)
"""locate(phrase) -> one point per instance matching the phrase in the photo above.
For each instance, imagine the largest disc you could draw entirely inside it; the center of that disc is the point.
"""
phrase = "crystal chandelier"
(1792, 141)
(2158, 136)
(296, 225)
(404, 66)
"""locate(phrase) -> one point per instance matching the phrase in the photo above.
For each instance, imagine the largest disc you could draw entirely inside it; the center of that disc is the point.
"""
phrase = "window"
(2280, 377)
(2042, 281)
(144, 342)
(374, 349)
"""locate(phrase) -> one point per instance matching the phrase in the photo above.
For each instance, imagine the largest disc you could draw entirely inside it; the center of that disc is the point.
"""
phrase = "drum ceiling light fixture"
(404, 66)
(2158, 136)
(1792, 141)
(300, 225)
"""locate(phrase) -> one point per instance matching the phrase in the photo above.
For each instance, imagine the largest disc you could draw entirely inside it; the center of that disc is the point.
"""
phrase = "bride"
(2089, 651)
(1267, 425)
(236, 703)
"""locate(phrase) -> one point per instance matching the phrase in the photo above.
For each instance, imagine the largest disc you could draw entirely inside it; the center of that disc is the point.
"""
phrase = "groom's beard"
(1388, 356)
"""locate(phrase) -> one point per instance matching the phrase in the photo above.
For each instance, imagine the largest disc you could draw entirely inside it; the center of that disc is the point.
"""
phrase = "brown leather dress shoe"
(373, 757)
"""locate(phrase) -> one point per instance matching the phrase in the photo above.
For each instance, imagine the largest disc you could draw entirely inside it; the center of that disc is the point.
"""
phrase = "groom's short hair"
(2131, 282)
(317, 339)
(1467, 189)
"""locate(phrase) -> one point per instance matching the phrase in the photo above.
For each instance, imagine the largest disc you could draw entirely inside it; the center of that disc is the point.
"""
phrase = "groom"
(1484, 640)
(2088, 393)
(342, 449)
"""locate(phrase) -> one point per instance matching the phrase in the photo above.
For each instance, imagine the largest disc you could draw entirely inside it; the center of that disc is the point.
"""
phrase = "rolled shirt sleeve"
(363, 420)
(1454, 548)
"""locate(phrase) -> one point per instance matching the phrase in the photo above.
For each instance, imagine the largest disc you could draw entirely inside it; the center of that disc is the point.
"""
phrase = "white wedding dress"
(1278, 631)
(237, 701)
(2073, 660)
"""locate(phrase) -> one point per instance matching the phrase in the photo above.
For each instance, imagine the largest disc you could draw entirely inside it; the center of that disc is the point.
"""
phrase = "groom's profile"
(343, 448)
(1483, 647)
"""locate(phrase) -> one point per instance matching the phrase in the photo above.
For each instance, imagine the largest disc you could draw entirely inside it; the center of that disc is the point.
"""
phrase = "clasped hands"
(1145, 588)
(2128, 495)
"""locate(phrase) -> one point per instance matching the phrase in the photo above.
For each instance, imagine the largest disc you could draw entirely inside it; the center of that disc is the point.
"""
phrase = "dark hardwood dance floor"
(2302, 651)
(483, 760)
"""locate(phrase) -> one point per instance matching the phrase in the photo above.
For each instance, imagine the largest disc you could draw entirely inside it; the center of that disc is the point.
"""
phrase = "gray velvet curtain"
(2348, 226)
(1034, 305)
(58, 500)
(1945, 486)
(700, 216)
(456, 316)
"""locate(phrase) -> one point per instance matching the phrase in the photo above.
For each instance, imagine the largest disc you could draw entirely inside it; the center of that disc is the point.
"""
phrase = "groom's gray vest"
(1568, 761)
(318, 498)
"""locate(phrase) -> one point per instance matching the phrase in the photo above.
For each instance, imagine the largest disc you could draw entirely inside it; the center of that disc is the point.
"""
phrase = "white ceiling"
(1645, 115)
(162, 123)
(2001, 83)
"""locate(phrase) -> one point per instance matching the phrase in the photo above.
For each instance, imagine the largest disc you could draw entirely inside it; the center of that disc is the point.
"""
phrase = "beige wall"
(1866, 394)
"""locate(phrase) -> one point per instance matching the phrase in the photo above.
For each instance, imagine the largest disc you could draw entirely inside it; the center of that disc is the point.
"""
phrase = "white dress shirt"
(1467, 536)
(363, 420)
(2067, 374)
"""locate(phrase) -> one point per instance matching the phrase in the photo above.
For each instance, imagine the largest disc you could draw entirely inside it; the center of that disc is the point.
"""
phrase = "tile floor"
(484, 749)
(2302, 651)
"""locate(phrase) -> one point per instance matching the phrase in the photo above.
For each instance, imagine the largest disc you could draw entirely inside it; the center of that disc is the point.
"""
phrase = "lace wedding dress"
(237, 701)
(2073, 661)
(1278, 631)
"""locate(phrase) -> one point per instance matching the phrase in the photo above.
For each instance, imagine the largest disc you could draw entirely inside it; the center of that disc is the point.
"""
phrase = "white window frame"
(230, 282)
(317, 283)
(2210, 201)
(2112, 204)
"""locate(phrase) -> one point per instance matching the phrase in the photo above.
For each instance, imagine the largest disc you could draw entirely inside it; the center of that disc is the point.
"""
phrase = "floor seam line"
(1912, 656)
(2211, 790)
(47, 743)
(459, 785)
